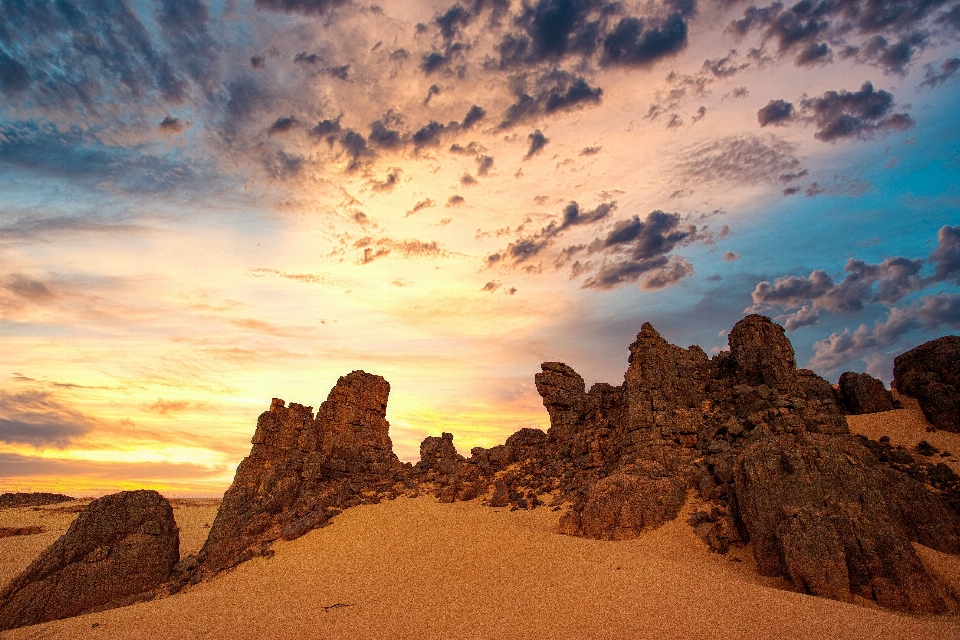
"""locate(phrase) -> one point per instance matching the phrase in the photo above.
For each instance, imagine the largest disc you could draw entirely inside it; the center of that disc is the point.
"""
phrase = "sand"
(415, 568)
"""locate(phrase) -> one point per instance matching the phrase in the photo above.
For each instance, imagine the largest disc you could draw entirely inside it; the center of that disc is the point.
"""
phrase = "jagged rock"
(562, 390)
(762, 353)
(621, 505)
(931, 374)
(302, 470)
(822, 511)
(862, 393)
(9, 500)
(439, 454)
(115, 552)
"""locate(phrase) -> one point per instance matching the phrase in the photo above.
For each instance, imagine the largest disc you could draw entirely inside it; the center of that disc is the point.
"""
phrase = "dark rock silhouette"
(8, 500)
(119, 549)
(931, 374)
(862, 393)
(301, 470)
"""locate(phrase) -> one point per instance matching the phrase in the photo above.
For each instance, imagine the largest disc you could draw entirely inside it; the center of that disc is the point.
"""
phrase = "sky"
(208, 204)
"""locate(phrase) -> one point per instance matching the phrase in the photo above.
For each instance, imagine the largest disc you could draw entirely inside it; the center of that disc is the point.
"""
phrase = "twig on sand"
(337, 606)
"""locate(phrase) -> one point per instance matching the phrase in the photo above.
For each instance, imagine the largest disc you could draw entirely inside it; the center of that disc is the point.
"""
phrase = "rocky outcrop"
(439, 455)
(115, 552)
(822, 511)
(302, 470)
(862, 393)
(12, 500)
(931, 374)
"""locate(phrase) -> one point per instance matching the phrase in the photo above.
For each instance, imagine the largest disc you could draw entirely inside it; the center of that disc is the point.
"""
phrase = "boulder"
(823, 512)
(862, 393)
(931, 374)
(625, 503)
(115, 552)
(762, 352)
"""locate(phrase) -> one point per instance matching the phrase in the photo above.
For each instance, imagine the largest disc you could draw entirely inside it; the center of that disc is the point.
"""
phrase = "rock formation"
(11, 500)
(931, 374)
(301, 470)
(117, 550)
(862, 393)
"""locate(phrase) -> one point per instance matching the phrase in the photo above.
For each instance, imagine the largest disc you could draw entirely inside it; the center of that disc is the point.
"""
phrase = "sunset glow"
(208, 204)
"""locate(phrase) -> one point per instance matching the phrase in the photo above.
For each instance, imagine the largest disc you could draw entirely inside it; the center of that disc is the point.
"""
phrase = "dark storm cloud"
(428, 135)
(537, 142)
(893, 30)
(947, 70)
(739, 160)
(383, 135)
(306, 7)
(282, 165)
(554, 91)
(844, 114)
(37, 418)
(636, 248)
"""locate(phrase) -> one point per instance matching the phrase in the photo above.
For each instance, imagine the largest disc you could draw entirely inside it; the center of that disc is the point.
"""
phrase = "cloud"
(420, 206)
(27, 288)
(844, 114)
(730, 256)
(474, 115)
(376, 248)
(282, 125)
(948, 69)
(484, 164)
(635, 42)
(635, 247)
(776, 112)
(739, 160)
(491, 286)
(171, 126)
(38, 418)
(929, 312)
(537, 142)
(946, 257)
(306, 7)
(528, 247)
(806, 28)
(670, 274)
(805, 316)
(554, 91)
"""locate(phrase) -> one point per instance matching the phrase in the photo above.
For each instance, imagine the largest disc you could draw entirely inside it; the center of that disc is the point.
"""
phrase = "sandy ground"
(414, 568)
(907, 427)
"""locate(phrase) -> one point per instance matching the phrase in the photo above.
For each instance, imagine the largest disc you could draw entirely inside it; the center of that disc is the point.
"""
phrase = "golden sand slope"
(414, 568)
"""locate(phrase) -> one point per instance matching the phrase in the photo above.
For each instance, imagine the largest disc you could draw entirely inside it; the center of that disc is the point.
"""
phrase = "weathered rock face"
(822, 511)
(118, 549)
(621, 505)
(931, 374)
(862, 393)
(301, 470)
(762, 353)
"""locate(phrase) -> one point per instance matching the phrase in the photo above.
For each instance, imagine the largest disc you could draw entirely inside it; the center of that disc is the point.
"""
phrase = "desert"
(324, 533)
